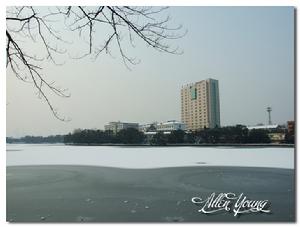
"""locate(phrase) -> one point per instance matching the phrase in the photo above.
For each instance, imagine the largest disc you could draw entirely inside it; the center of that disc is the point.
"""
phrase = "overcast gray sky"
(250, 50)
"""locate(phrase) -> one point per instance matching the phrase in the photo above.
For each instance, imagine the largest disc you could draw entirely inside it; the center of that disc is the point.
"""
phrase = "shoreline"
(186, 145)
(199, 165)
(167, 145)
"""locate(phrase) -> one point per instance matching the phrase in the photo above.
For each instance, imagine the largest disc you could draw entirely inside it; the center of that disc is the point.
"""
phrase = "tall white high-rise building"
(200, 105)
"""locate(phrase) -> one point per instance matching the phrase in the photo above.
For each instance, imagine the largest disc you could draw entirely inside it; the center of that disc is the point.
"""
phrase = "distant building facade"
(291, 127)
(167, 126)
(117, 126)
(151, 127)
(275, 132)
(266, 127)
(170, 126)
(200, 105)
(277, 137)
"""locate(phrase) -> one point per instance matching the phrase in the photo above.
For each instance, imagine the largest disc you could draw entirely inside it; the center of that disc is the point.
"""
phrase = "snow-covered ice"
(148, 157)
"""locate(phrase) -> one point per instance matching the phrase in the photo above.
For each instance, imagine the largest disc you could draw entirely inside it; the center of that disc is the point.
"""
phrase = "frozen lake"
(148, 157)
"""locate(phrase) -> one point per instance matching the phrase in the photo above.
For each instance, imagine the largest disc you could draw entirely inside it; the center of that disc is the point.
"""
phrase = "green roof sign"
(193, 93)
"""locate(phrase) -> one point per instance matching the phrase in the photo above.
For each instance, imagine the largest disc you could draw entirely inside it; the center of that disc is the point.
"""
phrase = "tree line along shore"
(231, 135)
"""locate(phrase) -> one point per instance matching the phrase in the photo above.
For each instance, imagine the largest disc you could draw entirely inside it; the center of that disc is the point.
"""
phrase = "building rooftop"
(170, 122)
(192, 84)
(262, 127)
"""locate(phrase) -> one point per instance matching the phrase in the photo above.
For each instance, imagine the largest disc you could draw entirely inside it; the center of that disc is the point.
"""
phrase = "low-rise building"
(170, 126)
(149, 135)
(291, 127)
(277, 137)
(117, 126)
(267, 127)
(167, 126)
(275, 132)
(148, 127)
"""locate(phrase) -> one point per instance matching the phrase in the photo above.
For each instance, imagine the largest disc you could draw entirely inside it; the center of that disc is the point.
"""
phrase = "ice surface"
(148, 157)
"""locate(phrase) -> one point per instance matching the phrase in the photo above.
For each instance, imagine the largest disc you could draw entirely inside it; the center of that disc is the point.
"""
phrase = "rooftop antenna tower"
(269, 109)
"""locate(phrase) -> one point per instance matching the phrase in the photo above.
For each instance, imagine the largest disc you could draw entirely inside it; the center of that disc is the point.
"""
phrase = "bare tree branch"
(43, 26)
